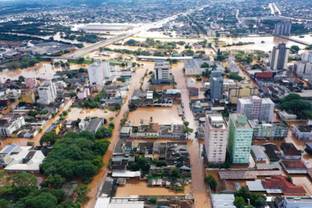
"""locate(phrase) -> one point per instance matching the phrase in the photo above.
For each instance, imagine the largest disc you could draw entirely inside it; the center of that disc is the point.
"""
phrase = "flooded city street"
(199, 189)
(99, 179)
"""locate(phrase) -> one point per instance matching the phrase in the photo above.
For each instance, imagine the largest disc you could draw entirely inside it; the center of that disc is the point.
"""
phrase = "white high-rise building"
(47, 93)
(216, 139)
(99, 73)
(255, 107)
(162, 73)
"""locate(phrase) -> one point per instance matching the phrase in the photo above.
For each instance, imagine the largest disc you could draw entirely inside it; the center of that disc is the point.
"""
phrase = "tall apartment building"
(279, 57)
(162, 72)
(216, 137)
(255, 107)
(47, 93)
(99, 73)
(282, 28)
(216, 85)
(240, 137)
(304, 67)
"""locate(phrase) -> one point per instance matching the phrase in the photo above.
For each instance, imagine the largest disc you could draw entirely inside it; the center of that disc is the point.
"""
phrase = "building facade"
(162, 72)
(216, 137)
(99, 73)
(11, 124)
(240, 137)
(269, 131)
(279, 57)
(282, 28)
(216, 85)
(47, 93)
(254, 107)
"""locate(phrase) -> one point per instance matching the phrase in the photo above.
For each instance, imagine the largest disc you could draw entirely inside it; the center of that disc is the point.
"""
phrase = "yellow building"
(28, 97)
(241, 90)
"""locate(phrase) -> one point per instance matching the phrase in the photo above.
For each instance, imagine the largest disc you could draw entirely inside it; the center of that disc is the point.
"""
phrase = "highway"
(144, 27)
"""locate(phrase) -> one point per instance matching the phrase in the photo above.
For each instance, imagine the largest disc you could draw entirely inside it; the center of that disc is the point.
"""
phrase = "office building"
(254, 107)
(240, 137)
(216, 85)
(162, 72)
(99, 73)
(282, 28)
(279, 57)
(216, 136)
(47, 93)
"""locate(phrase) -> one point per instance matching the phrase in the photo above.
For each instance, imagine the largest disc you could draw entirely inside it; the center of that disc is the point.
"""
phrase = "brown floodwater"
(140, 188)
(199, 190)
(99, 179)
(79, 113)
(161, 115)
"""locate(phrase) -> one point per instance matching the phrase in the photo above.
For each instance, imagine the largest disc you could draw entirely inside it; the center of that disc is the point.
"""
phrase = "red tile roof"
(280, 182)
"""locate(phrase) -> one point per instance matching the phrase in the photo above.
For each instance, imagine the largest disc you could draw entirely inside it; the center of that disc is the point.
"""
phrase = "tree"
(239, 202)
(53, 181)
(24, 180)
(42, 200)
(211, 182)
(49, 138)
(294, 49)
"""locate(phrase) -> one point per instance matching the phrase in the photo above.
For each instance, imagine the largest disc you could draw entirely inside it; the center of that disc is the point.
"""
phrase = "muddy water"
(98, 180)
(198, 188)
(140, 188)
(78, 113)
(161, 115)
(263, 43)
(42, 70)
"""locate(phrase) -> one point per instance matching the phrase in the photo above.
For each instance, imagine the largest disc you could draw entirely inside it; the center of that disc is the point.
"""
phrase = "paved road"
(199, 189)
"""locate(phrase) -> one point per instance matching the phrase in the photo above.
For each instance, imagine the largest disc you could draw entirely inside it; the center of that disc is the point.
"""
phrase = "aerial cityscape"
(156, 104)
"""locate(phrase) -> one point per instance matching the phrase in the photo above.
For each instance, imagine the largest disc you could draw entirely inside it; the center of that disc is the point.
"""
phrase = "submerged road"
(199, 189)
(98, 180)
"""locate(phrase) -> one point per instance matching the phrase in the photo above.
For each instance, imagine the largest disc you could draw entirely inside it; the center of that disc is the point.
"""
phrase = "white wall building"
(255, 107)
(162, 73)
(10, 125)
(47, 93)
(99, 73)
(216, 137)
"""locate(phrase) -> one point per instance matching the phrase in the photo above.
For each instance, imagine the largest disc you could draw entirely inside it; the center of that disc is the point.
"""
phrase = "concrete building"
(282, 28)
(294, 202)
(240, 137)
(223, 200)
(303, 132)
(99, 73)
(241, 90)
(254, 107)
(216, 137)
(268, 130)
(216, 85)
(9, 125)
(47, 93)
(162, 72)
(279, 57)
(304, 67)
